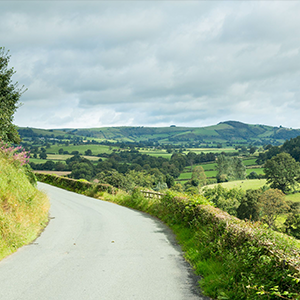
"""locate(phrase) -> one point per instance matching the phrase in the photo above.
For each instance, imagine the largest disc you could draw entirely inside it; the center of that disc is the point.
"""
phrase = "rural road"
(93, 249)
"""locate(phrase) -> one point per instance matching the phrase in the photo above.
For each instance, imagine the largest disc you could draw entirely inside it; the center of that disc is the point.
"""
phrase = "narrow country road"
(93, 249)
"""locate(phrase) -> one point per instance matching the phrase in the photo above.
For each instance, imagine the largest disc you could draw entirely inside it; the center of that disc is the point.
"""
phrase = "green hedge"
(237, 259)
(77, 186)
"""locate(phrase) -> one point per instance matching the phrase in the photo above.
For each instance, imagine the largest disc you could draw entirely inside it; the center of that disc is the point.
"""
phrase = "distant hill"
(232, 132)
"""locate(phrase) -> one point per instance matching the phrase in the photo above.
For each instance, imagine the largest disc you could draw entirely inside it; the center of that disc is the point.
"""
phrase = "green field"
(185, 176)
(293, 197)
(259, 171)
(157, 153)
(37, 160)
(96, 149)
(243, 184)
(250, 162)
(207, 150)
(206, 167)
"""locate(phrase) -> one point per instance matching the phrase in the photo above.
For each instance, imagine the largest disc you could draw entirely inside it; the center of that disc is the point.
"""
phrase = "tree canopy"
(282, 172)
(10, 95)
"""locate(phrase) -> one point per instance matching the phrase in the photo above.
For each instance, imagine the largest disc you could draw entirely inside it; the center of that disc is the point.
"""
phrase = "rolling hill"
(232, 132)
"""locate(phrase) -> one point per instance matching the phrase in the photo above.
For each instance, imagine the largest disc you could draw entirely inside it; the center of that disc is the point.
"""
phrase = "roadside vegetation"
(237, 259)
(23, 208)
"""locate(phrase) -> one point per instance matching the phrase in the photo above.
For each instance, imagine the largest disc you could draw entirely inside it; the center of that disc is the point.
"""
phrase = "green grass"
(37, 160)
(207, 150)
(243, 184)
(206, 167)
(249, 162)
(258, 171)
(23, 208)
(58, 156)
(293, 197)
(186, 175)
(96, 149)
(156, 152)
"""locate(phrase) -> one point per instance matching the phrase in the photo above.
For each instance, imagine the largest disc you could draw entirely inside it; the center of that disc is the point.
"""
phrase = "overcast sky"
(154, 63)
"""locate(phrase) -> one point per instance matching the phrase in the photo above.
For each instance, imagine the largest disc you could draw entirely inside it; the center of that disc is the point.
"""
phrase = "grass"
(188, 175)
(249, 162)
(37, 160)
(207, 150)
(96, 149)
(23, 208)
(293, 197)
(258, 171)
(243, 184)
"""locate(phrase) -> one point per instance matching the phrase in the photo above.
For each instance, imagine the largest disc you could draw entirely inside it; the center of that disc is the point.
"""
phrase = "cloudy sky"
(154, 63)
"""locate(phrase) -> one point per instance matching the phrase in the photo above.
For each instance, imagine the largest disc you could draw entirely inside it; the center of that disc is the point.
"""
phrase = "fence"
(152, 194)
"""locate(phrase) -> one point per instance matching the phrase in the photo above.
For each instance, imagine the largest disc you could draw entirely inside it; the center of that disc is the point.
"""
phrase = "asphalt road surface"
(94, 249)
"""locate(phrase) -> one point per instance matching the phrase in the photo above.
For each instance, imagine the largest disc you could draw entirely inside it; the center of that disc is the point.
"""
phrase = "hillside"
(23, 208)
(232, 132)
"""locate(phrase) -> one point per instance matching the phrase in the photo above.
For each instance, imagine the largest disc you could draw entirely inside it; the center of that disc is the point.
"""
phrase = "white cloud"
(94, 63)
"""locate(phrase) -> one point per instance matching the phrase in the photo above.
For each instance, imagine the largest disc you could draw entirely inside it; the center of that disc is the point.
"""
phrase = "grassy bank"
(237, 259)
(23, 208)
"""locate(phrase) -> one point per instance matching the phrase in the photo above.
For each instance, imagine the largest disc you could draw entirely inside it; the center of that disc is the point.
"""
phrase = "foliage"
(230, 168)
(82, 170)
(292, 225)
(10, 95)
(198, 177)
(78, 186)
(282, 172)
(23, 208)
(235, 259)
(249, 208)
(272, 204)
(226, 199)
(16, 155)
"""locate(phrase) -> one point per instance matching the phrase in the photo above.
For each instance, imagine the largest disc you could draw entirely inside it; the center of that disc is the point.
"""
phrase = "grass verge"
(23, 208)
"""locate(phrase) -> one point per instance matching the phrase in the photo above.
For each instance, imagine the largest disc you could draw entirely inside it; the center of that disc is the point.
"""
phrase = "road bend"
(92, 249)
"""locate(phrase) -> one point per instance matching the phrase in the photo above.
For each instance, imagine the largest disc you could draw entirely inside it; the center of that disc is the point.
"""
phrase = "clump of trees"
(264, 205)
(10, 94)
(230, 168)
(282, 172)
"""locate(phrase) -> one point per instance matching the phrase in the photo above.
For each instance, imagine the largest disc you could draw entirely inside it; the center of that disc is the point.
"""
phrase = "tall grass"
(237, 260)
(23, 208)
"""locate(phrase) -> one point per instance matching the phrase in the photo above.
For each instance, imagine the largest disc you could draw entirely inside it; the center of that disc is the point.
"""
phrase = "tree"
(170, 181)
(282, 172)
(43, 155)
(198, 177)
(239, 168)
(272, 204)
(249, 207)
(82, 170)
(88, 152)
(292, 225)
(230, 168)
(226, 199)
(252, 149)
(10, 95)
